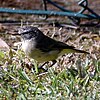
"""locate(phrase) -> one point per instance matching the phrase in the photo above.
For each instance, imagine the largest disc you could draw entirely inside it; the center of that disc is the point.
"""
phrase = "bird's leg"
(41, 67)
(53, 62)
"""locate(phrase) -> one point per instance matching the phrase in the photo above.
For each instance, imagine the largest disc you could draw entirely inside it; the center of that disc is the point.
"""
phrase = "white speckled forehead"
(27, 29)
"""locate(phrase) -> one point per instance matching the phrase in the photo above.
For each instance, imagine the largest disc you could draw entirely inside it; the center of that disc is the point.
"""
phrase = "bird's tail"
(80, 51)
(64, 51)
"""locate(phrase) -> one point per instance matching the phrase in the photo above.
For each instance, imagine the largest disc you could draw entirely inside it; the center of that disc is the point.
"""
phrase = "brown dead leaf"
(3, 45)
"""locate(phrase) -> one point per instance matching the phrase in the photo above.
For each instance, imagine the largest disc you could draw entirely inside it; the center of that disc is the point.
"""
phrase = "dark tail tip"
(81, 51)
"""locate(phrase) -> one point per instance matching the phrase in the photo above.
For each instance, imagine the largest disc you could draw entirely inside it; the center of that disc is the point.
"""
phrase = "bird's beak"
(15, 32)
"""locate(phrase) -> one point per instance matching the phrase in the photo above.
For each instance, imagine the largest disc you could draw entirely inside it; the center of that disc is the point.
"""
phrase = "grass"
(73, 77)
(19, 83)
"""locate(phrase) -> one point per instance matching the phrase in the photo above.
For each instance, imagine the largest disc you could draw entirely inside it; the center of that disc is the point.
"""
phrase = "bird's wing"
(62, 45)
(48, 44)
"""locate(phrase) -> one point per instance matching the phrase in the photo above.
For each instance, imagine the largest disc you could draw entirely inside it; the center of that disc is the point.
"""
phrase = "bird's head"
(29, 32)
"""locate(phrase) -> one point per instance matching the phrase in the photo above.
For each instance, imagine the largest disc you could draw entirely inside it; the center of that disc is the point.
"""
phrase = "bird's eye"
(30, 33)
(34, 34)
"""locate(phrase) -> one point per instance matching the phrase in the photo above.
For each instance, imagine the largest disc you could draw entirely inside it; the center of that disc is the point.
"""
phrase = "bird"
(42, 48)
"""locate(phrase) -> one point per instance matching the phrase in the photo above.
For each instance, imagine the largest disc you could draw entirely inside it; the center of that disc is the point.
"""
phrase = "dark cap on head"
(28, 32)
